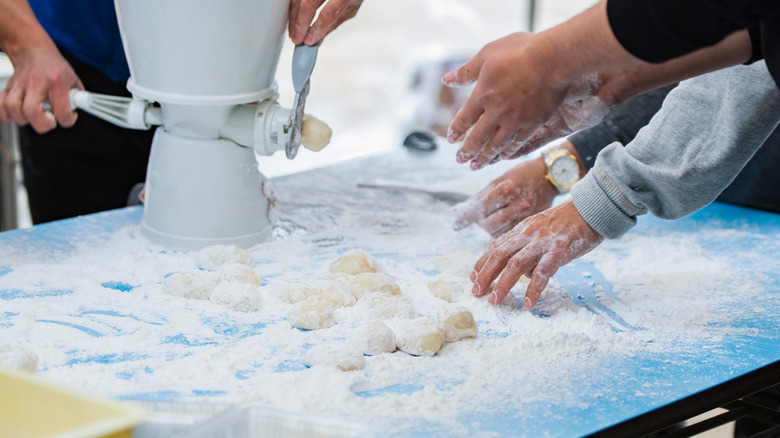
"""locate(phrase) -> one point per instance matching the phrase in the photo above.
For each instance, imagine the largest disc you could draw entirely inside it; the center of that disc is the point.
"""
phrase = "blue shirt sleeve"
(87, 30)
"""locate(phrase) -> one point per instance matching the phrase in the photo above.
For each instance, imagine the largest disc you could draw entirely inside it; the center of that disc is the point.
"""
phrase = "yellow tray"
(31, 407)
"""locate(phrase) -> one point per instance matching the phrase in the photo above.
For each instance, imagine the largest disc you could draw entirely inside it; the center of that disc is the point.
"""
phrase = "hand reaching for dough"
(536, 247)
(302, 12)
(510, 198)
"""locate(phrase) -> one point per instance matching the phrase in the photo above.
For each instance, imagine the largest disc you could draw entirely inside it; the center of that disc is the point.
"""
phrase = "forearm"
(708, 128)
(19, 29)
(581, 45)
(624, 83)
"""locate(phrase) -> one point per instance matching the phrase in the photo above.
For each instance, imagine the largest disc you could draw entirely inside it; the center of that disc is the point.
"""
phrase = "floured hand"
(537, 246)
(507, 200)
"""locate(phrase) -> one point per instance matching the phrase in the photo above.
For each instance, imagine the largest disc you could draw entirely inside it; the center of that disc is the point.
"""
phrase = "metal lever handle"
(302, 65)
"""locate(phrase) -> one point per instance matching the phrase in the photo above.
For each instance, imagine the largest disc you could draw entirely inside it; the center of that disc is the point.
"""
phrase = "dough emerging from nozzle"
(18, 357)
(418, 337)
(194, 285)
(353, 263)
(315, 134)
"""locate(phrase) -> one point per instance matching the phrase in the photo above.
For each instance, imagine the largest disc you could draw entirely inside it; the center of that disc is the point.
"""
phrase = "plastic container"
(255, 422)
(166, 419)
(31, 407)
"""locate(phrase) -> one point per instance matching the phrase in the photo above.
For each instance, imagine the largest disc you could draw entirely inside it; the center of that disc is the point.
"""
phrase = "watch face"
(564, 171)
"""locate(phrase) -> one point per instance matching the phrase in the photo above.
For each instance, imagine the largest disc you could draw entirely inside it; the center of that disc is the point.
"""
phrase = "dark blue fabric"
(87, 30)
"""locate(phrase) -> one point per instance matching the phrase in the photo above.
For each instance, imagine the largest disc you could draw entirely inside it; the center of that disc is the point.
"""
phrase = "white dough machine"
(203, 71)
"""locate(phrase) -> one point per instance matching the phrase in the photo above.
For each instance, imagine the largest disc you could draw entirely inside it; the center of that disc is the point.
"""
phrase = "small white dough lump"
(456, 323)
(353, 263)
(446, 288)
(418, 337)
(315, 134)
(214, 256)
(238, 296)
(378, 305)
(368, 282)
(194, 285)
(374, 337)
(18, 357)
(313, 313)
(238, 273)
(340, 355)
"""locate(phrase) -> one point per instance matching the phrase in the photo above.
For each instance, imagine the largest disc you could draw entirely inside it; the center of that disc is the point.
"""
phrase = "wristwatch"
(563, 170)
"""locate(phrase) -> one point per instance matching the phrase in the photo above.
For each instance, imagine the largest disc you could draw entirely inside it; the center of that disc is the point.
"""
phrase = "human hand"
(302, 12)
(589, 101)
(508, 199)
(537, 246)
(516, 92)
(40, 74)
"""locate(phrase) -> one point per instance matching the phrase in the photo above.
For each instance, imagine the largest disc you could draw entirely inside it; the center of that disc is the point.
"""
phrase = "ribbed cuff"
(596, 206)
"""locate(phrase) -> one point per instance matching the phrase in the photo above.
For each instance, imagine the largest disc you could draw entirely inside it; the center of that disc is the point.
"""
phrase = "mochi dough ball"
(194, 285)
(456, 323)
(374, 337)
(446, 288)
(214, 256)
(313, 313)
(18, 357)
(368, 282)
(238, 273)
(340, 355)
(315, 134)
(378, 305)
(418, 337)
(238, 296)
(353, 263)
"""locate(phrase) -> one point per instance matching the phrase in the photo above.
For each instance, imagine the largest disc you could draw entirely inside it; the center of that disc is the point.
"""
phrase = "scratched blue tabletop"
(677, 342)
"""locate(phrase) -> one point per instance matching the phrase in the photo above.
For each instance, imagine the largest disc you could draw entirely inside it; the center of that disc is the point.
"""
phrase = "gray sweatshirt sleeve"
(704, 134)
(621, 126)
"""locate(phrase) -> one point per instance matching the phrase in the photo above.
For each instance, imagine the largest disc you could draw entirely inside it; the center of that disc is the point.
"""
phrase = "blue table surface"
(620, 389)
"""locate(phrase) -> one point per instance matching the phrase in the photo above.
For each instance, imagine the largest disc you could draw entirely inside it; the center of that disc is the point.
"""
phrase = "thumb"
(463, 75)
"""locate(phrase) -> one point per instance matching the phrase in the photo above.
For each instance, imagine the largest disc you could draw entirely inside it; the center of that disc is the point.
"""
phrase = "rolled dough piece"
(374, 337)
(418, 337)
(340, 355)
(238, 273)
(379, 305)
(456, 323)
(238, 296)
(353, 263)
(369, 282)
(333, 293)
(446, 288)
(291, 292)
(196, 285)
(313, 313)
(214, 256)
(315, 134)
(18, 357)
